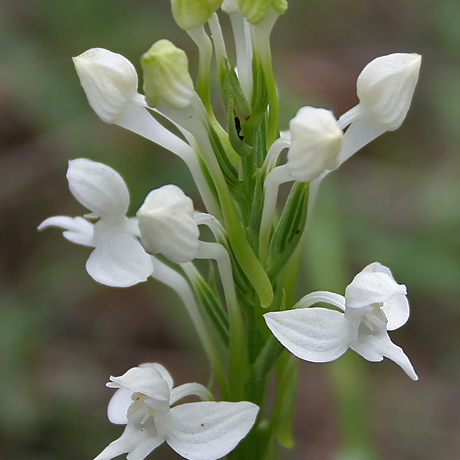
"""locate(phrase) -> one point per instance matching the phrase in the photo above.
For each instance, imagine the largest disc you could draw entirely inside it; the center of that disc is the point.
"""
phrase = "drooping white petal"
(139, 438)
(109, 80)
(76, 229)
(313, 334)
(119, 259)
(209, 430)
(375, 345)
(99, 188)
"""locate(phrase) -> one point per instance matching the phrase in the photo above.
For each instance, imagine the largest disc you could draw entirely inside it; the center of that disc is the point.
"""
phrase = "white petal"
(145, 380)
(370, 288)
(118, 406)
(138, 440)
(397, 311)
(396, 308)
(99, 188)
(209, 430)
(313, 334)
(76, 229)
(119, 259)
(375, 346)
(163, 372)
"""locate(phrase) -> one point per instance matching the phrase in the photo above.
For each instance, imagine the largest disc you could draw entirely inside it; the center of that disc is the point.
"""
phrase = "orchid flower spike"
(118, 258)
(167, 225)
(373, 305)
(205, 430)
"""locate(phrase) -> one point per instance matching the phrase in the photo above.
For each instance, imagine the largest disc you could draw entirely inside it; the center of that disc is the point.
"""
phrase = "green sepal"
(256, 211)
(259, 100)
(237, 111)
(212, 306)
(289, 229)
(228, 170)
(232, 94)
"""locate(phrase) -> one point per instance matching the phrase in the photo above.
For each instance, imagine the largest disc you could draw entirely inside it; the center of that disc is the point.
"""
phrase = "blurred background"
(397, 201)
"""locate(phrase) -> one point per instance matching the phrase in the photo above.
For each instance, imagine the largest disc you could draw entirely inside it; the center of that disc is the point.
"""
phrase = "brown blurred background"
(397, 201)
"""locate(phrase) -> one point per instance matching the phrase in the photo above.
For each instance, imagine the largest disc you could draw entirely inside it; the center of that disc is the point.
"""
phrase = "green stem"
(238, 361)
(175, 281)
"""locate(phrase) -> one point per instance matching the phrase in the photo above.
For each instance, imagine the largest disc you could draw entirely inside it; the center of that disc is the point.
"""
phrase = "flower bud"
(386, 85)
(167, 226)
(166, 75)
(315, 143)
(193, 13)
(109, 81)
(255, 11)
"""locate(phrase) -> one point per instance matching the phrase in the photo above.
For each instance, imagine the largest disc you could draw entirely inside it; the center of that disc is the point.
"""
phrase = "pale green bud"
(166, 75)
(193, 13)
(386, 85)
(256, 10)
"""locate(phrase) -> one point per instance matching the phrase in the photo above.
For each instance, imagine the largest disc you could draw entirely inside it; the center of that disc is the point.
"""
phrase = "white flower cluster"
(237, 174)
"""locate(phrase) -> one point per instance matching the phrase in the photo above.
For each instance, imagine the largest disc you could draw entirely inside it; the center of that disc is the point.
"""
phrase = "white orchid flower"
(118, 258)
(373, 305)
(167, 225)
(205, 430)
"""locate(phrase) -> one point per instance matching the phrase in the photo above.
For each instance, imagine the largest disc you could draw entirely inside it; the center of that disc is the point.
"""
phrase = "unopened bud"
(193, 13)
(109, 80)
(315, 143)
(167, 226)
(166, 75)
(386, 85)
(256, 10)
